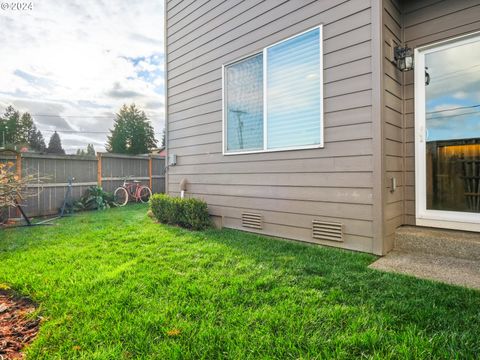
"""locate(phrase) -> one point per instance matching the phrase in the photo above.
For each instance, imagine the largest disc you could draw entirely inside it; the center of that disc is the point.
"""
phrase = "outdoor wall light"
(403, 58)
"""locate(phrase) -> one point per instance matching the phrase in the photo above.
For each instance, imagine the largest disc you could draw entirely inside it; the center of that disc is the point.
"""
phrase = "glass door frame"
(427, 217)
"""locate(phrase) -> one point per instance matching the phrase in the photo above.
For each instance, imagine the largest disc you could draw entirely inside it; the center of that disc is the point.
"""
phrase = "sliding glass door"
(447, 122)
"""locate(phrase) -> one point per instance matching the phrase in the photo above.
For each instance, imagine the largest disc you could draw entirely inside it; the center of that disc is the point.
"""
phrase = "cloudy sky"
(453, 100)
(72, 64)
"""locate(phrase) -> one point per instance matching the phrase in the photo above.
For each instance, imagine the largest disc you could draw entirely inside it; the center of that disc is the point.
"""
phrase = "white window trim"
(265, 123)
(467, 221)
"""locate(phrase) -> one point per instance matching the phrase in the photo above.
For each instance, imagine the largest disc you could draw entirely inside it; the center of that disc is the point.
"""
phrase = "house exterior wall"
(368, 113)
(290, 188)
(426, 22)
(415, 23)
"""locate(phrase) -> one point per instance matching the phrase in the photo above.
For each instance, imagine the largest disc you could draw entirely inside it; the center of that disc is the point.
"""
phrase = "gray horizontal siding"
(199, 52)
(326, 209)
(338, 179)
(289, 188)
(192, 65)
(304, 193)
(340, 148)
(208, 164)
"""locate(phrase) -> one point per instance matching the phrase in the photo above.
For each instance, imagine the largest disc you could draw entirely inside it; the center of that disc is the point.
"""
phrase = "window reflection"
(244, 104)
(453, 128)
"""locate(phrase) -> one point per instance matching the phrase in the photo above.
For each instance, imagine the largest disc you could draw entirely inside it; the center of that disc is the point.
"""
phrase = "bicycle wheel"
(120, 196)
(144, 194)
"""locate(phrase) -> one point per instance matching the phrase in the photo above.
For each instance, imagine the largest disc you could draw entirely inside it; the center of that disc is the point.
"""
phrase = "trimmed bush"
(195, 214)
(188, 213)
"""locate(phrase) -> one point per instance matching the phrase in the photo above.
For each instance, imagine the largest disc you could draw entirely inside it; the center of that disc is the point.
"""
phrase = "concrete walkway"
(450, 270)
(448, 256)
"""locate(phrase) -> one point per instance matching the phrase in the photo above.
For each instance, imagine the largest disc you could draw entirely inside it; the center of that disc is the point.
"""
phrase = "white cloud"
(454, 72)
(83, 58)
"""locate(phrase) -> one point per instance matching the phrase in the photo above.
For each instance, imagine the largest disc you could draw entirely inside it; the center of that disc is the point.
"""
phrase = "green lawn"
(116, 285)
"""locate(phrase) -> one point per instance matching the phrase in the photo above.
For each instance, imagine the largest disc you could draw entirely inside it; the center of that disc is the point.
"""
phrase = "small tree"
(27, 133)
(12, 187)
(90, 150)
(55, 145)
(25, 129)
(132, 132)
(8, 125)
(37, 142)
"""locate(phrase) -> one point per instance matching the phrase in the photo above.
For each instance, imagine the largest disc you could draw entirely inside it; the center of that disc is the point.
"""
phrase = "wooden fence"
(106, 170)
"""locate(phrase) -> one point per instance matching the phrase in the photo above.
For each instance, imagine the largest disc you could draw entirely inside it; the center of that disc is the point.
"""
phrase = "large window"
(273, 99)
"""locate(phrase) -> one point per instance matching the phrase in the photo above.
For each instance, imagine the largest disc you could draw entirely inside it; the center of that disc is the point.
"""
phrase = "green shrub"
(195, 214)
(94, 199)
(188, 213)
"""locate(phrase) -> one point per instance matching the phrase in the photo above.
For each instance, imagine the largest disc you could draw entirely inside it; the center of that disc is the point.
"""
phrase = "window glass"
(452, 120)
(293, 92)
(289, 108)
(244, 104)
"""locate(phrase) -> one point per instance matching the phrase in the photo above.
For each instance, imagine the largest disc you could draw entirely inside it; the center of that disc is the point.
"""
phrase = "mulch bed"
(17, 328)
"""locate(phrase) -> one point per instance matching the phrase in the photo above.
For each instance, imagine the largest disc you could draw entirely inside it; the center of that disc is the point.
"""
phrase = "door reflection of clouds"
(453, 128)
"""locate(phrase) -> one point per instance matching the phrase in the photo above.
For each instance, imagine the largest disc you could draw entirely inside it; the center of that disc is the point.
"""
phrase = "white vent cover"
(252, 220)
(330, 231)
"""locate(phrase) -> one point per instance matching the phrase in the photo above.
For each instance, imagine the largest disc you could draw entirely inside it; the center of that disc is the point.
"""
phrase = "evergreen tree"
(25, 129)
(8, 125)
(90, 150)
(36, 142)
(20, 130)
(163, 138)
(131, 133)
(55, 145)
(27, 133)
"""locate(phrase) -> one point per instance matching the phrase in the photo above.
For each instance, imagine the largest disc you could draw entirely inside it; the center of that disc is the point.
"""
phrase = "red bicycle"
(132, 190)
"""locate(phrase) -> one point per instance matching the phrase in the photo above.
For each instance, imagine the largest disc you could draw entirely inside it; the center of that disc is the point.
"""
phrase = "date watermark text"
(16, 6)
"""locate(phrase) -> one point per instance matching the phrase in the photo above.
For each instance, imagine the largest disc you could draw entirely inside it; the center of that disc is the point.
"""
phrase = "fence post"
(150, 160)
(18, 170)
(18, 165)
(99, 169)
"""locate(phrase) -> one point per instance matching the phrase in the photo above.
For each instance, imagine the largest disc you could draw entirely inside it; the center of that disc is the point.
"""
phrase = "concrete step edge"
(451, 270)
(438, 243)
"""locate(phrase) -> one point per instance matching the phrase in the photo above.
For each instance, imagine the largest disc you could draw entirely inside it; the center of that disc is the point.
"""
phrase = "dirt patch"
(17, 327)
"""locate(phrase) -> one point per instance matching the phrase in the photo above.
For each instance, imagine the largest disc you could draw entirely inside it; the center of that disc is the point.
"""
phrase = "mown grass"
(116, 285)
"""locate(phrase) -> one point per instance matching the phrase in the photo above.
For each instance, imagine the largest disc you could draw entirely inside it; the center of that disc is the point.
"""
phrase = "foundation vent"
(252, 220)
(330, 231)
